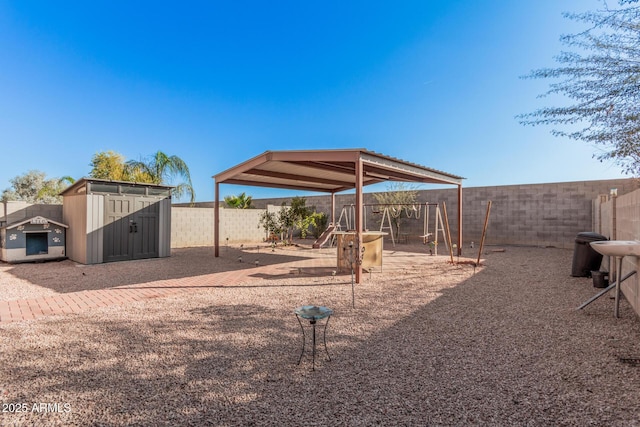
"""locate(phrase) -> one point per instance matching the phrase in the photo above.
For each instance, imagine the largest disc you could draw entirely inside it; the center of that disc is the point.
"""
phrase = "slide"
(324, 238)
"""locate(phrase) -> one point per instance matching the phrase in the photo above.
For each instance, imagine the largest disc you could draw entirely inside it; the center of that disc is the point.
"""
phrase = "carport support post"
(333, 209)
(358, 242)
(216, 221)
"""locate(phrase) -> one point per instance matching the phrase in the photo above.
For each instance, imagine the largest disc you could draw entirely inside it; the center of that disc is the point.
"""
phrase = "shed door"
(146, 228)
(131, 228)
(118, 223)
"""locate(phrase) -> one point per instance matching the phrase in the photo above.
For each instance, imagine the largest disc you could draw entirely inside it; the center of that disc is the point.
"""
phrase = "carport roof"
(328, 171)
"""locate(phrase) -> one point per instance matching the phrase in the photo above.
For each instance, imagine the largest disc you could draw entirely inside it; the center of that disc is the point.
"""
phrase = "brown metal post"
(358, 213)
(216, 221)
(459, 220)
(333, 209)
(614, 216)
(484, 231)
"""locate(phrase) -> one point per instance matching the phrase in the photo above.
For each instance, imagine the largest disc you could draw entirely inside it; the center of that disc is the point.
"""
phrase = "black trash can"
(585, 259)
(600, 279)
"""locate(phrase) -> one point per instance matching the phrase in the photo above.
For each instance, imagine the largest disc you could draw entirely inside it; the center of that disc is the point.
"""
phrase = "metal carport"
(330, 171)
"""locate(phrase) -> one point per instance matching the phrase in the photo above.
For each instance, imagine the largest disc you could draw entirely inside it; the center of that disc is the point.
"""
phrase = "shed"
(34, 239)
(116, 221)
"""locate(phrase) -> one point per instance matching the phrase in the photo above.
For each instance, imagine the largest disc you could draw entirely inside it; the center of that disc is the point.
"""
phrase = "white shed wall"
(74, 211)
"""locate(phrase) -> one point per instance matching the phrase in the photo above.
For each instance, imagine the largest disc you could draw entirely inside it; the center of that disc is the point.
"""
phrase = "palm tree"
(162, 169)
(241, 201)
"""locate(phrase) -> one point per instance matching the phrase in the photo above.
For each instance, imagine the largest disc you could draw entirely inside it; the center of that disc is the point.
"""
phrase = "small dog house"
(116, 221)
(34, 239)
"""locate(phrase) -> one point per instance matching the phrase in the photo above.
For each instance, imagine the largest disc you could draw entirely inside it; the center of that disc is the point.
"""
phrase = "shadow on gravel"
(487, 350)
(119, 372)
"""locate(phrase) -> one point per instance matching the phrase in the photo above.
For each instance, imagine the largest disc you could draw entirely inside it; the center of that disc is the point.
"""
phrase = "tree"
(50, 193)
(241, 201)
(286, 222)
(302, 217)
(321, 223)
(34, 187)
(270, 224)
(109, 165)
(298, 216)
(398, 198)
(159, 169)
(601, 76)
(162, 169)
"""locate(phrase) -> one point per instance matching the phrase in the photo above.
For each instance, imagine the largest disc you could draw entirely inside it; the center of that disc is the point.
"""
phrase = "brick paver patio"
(76, 302)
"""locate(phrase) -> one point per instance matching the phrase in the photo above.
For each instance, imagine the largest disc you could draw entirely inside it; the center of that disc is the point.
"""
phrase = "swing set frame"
(412, 210)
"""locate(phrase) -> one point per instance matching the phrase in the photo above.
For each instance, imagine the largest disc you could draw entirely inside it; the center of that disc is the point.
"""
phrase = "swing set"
(415, 210)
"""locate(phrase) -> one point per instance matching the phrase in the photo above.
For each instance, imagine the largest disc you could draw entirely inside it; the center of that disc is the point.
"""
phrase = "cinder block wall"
(194, 226)
(191, 227)
(241, 225)
(543, 214)
(627, 220)
(535, 214)
(620, 220)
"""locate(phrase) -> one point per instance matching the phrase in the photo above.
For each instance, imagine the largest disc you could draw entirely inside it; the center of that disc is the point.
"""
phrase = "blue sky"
(433, 82)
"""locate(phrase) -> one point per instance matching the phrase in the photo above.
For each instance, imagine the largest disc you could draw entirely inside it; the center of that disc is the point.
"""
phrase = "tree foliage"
(35, 187)
(297, 216)
(109, 165)
(601, 77)
(269, 221)
(241, 201)
(159, 168)
(302, 216)
(397, 197)
(321, 224)
(286, 222)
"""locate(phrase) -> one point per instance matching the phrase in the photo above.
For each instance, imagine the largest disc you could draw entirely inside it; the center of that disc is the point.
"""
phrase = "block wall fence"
(618, 218)
(534, 214)
(193, 226)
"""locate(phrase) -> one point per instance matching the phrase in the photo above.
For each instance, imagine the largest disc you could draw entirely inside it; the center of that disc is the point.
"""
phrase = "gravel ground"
(428, 343)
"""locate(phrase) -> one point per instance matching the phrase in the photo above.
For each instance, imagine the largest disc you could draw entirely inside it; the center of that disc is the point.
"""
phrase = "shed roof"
(328, 171)
(84, 181)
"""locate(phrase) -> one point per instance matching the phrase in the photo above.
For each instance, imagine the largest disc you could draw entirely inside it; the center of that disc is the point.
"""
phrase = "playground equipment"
(346, 220)
(438, 228)
(324, 237)
(348, 214)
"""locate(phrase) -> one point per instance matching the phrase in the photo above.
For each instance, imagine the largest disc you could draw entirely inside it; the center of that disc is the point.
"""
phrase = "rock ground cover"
(428, 343)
